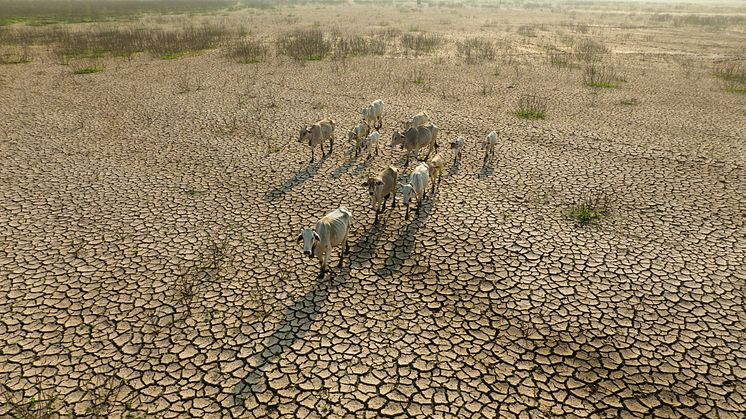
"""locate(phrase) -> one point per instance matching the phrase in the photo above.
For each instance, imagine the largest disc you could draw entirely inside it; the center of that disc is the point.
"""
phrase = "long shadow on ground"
(346, 166)
(404, 245)
(295, 323)
(364, 166)
(364, 248)
(453, 170)
(301, 176)
(487, 170)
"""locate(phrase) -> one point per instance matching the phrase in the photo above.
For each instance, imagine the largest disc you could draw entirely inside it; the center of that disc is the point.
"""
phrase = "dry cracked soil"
(148, 217)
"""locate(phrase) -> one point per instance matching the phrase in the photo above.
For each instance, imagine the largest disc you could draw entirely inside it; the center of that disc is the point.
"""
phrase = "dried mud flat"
(491, 303)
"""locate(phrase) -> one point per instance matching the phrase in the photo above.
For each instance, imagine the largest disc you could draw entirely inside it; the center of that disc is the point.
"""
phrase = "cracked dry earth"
(490, 303)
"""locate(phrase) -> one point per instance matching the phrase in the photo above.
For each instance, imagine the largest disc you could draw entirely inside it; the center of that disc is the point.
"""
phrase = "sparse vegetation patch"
(475, 50)
(249, 51)
(601, 76)
(531, 107)
(421, 43)
(309, 45)
(590, 208)
(88, 70)
(733, 75)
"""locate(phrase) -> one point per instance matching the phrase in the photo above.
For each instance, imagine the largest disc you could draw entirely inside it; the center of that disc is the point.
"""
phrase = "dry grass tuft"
(602, 76)
(531, 107)
(476, 50)
(248, 51)
(421, 43)
(589, 50)
(308, 45)
(590, 208)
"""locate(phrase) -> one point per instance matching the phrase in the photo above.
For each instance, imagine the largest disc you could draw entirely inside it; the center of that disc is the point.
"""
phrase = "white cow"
(418, 120)
(415, 138)
(380, 187)
(436, 166)
(417, 185)
(488, 145)
(317, 134)
(370, 142)
(358, 135)
(330, 231)
(373, 114)
(456, 147)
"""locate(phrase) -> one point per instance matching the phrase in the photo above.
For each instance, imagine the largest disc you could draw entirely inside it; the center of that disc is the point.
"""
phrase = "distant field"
(45, 12)
(152, 190)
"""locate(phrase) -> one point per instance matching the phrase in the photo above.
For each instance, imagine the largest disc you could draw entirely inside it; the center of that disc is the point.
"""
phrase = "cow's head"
(304, 131)
(374, 185)
(310, 239)
(397, 138)
(406, 191)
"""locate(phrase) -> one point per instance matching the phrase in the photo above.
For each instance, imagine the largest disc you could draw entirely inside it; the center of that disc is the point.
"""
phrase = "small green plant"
(173, 55)
(735, 88)
(531, 107)
(41, 406)
(589, 209)
(631, 101)
(731, 71)
(88, 70)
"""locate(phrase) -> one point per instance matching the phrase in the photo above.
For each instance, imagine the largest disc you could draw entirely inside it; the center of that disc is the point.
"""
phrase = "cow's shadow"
(301, 176)
(362, 167)
(404, 245)
(487, 170)
(455, 167)
(365, 247)
(351, 159)
(296, 321)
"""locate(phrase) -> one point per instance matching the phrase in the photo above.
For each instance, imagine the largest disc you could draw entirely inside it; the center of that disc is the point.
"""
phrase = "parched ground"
(491, 302)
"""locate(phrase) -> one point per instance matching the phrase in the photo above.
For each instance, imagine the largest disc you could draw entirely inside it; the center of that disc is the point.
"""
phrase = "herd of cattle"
(419, 132)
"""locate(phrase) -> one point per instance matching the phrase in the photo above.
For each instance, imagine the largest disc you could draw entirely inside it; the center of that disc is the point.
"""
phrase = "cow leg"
(312, 158)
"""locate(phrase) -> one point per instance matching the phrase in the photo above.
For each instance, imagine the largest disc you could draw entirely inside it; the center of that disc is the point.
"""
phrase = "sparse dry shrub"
(476, 50)
(186, 82)
(731, 71)
(125, 41)
(357, 45)
(589, 50)
(601, 75)
(389, 34)
(421, 43)
(43, 405)
(173, 43)
(560, 59)
(248, 51)
(531, 107)
(309, 45)
(15, 55)
(527, 31)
